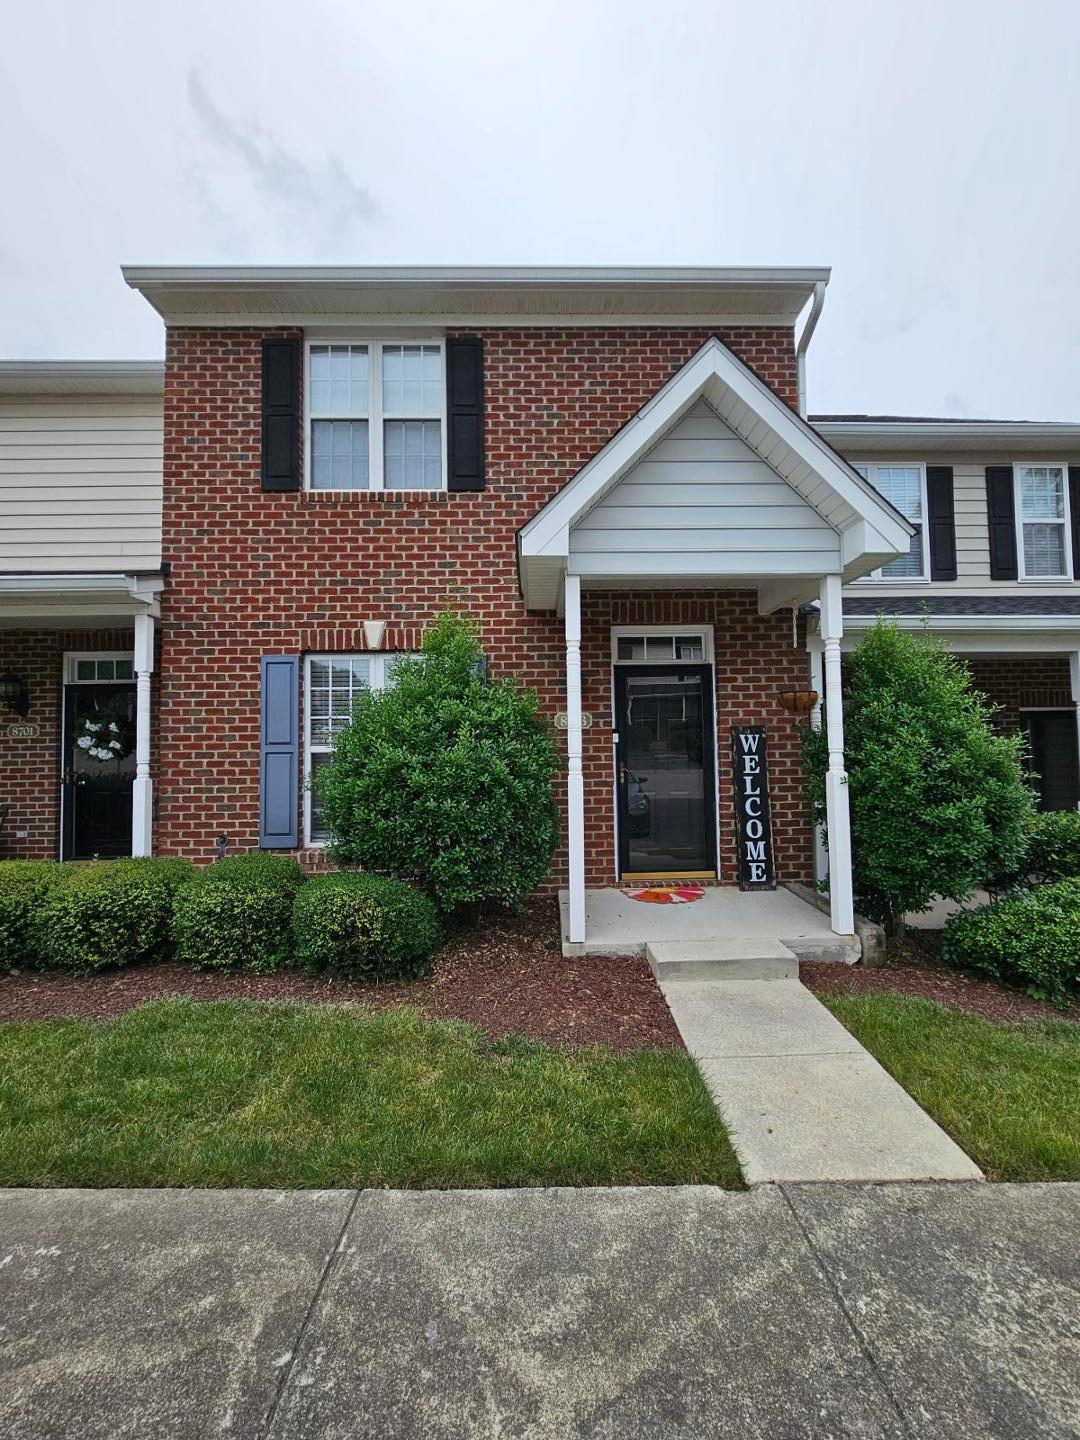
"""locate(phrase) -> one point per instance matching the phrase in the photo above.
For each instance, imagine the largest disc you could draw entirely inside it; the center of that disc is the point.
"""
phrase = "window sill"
(357, 497)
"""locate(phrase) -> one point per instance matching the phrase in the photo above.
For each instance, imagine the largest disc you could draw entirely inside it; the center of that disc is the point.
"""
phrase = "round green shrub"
(24, 885)
(108, 913)
(445, 778)
(1030, 938)
(1053, 851)
(364, 927)
(939, 800)
(237, 914)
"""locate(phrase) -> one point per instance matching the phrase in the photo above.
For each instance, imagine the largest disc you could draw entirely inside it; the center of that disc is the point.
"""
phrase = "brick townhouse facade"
(611, 470)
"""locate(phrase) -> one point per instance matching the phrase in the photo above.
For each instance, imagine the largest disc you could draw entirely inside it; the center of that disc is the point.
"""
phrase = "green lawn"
(1008, 1094)
(234, 1093)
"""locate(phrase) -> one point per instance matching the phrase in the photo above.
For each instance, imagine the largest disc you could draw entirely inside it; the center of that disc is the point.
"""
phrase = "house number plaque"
(752, 821)
(23, 732)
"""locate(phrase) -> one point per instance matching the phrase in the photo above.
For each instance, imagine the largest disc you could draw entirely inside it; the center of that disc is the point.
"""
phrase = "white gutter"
(138, 276)
(805, 338)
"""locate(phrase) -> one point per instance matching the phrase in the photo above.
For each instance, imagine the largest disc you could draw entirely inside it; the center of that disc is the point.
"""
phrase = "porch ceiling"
(759, 499)
(70, 602)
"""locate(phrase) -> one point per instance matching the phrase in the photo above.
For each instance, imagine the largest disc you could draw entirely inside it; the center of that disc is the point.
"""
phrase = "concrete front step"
(754, 957)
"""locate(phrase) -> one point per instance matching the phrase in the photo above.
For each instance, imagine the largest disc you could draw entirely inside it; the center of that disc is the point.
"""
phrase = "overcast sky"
(925, 149)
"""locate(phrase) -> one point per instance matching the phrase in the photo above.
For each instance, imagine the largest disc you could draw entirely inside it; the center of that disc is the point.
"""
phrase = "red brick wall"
(255, 573)
(30, 769)
(1015, 682)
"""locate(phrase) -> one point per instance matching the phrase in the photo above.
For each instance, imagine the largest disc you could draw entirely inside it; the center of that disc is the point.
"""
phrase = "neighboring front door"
(1052, 743)
(665, 770)
(99, 767)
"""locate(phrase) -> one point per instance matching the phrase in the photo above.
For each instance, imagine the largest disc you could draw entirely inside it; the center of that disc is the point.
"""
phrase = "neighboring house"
(203, 563)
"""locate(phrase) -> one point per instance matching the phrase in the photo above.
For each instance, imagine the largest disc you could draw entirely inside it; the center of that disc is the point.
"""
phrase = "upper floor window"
(1042, 508)
(376, 416)
(904, 486)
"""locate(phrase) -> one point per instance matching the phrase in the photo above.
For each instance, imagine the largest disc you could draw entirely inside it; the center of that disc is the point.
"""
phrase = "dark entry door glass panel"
(99, 768)
(665, 778)
(1052, 744)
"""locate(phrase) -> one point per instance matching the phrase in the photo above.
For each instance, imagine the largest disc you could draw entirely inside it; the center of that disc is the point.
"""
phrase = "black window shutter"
(1002, 522)
(281, 360)
(942, 521)
(279, 752)
(1074, 514)
(465, 413)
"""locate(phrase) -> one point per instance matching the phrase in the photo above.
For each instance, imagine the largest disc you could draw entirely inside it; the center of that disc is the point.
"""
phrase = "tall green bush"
(237, 914)
(1053, 849)
(939, 801)
(108, 913)
(446, 778)
(24, 884)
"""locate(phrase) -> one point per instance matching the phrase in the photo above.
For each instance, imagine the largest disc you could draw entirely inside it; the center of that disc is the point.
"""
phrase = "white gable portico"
(714, 484)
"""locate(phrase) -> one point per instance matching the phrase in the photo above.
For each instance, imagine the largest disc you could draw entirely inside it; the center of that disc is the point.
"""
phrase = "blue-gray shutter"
(279, 753)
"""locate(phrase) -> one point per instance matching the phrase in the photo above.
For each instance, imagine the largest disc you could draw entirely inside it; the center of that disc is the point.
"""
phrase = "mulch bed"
(917, 970)
(507, 976)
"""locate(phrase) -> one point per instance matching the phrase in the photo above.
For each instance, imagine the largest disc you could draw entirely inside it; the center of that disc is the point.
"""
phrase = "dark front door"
(1052, 745)
(665, 775)
(99, 767)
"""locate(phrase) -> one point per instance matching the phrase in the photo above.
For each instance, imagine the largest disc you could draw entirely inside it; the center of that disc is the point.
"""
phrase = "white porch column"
(142, 790)
(817, 683)
(841, 902)
(575, 779)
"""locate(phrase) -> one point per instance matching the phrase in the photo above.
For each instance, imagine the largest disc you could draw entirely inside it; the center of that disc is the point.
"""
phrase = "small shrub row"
(252, 912)
(1053, 846)
(1029, 938)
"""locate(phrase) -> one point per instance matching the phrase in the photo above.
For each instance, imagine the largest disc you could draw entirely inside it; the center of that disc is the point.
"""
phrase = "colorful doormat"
(667, 894)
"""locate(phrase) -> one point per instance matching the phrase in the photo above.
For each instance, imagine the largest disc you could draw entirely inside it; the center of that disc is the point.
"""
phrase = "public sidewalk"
(933, 1311)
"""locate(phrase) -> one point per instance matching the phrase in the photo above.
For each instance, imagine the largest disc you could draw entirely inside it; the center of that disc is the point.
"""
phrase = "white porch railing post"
(575, 779)
(841, 900)
(817, 684)
(142, 790)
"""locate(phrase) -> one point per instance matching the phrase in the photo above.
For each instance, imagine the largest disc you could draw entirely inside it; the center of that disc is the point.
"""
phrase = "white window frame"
(381, 661)
(72, 658)
(704, 633)
(1019, 522)
(866, 469)
(375, 416)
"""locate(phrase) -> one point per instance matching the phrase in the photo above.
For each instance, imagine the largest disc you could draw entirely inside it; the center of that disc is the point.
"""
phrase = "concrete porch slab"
(617, 925)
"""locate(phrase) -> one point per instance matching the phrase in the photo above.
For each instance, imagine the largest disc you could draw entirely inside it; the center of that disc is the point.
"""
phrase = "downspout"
(804, 341)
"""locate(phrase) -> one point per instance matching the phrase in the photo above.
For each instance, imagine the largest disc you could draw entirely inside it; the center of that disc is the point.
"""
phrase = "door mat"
(667, 894)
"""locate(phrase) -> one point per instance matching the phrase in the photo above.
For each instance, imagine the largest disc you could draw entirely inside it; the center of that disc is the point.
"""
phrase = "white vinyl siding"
(702, 502)
(972, 531)
(80, 483)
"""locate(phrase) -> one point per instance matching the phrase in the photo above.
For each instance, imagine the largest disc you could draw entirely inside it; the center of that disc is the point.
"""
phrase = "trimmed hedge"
(364, 927)
(108, 913)
(237, 914)
(1053, 851)
(24, 885)
(1030, 938)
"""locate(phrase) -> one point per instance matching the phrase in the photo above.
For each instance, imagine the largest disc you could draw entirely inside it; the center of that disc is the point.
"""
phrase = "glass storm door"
(666, 789)
(99, 768)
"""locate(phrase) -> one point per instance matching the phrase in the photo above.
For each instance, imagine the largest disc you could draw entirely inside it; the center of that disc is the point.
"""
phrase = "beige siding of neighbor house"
(702, 493)
(80, 483)
(972, 531)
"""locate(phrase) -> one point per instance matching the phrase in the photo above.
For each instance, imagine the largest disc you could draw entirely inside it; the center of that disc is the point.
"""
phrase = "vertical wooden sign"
(753, 825)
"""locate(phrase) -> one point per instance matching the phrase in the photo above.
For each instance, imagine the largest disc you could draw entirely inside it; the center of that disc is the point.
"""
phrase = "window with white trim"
(1042, 514)
(376, 415)
(331, 686)
(904, 486)
(105, 667)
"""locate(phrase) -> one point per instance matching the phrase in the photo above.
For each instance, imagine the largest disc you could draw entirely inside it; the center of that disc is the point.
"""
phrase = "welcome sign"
(753, 828)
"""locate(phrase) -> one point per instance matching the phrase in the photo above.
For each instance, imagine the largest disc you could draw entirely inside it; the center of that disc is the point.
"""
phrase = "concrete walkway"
(802, 1098)
(937, 1312)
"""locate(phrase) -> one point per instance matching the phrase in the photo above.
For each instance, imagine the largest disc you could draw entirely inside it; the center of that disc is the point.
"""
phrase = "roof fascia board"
(382, 320)
(975, 435)
(544, 277)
